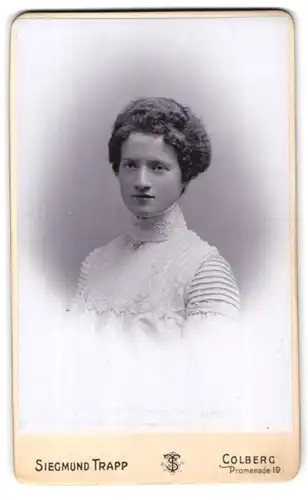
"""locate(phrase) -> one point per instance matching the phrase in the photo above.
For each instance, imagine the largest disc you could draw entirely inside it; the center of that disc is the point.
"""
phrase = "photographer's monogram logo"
(171, 463)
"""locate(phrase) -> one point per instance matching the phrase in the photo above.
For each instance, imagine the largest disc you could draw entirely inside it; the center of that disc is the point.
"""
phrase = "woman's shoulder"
(97, 257)
(208, 253)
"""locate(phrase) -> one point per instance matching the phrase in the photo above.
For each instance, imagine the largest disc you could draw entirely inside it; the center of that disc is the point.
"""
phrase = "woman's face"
(149, 175)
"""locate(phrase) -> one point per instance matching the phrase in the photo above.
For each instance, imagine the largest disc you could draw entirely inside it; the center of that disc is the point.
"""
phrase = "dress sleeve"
(213, 290)
(215, 341)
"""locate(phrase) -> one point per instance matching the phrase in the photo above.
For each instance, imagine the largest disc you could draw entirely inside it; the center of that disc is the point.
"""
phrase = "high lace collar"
(158, 228)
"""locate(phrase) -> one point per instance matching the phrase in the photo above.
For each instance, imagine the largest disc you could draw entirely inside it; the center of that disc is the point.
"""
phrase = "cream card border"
(202, 454)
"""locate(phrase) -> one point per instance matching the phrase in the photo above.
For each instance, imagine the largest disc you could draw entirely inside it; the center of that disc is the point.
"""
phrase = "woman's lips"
(143, 196)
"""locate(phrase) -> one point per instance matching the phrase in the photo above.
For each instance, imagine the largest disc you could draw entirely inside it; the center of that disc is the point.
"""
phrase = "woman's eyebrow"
(163, 161)
(148, 160)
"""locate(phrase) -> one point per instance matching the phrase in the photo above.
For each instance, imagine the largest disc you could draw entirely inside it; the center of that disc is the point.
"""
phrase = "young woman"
(161, 303)
(158, 269)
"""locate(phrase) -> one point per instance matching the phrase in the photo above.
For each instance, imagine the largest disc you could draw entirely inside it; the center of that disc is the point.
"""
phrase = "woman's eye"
(130, 164)
(158, 167)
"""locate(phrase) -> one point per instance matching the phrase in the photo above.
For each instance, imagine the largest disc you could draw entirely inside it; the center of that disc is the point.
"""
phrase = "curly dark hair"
(179, 126)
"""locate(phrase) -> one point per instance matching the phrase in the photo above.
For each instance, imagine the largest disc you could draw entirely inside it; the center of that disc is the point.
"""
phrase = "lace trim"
(209, 309)
(156, 229)
(107, 307)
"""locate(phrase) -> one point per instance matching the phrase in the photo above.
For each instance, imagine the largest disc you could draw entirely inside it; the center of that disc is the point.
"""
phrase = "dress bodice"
(158, 270)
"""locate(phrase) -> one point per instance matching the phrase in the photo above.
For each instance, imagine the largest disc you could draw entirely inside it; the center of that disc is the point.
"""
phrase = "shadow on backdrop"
(81, 207)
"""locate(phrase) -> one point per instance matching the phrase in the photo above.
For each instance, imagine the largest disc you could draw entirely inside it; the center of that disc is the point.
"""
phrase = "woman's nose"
(142, 182)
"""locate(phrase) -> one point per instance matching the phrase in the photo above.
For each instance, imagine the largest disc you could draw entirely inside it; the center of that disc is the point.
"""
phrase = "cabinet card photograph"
(153, 247)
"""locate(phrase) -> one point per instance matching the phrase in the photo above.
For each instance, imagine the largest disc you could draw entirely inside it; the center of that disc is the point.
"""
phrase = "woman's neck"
(159, 227)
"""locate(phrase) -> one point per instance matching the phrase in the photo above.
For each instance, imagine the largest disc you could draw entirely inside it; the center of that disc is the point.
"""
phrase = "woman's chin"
(142, 212)
(148, 208)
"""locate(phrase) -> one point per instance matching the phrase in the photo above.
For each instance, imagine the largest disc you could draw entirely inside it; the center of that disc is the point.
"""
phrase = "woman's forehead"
(141, 145)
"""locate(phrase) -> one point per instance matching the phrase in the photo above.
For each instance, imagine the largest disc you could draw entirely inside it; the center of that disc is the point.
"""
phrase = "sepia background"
(71, 78)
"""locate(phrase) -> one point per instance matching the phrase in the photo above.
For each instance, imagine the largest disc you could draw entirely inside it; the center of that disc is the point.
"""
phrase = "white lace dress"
(152, 339)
